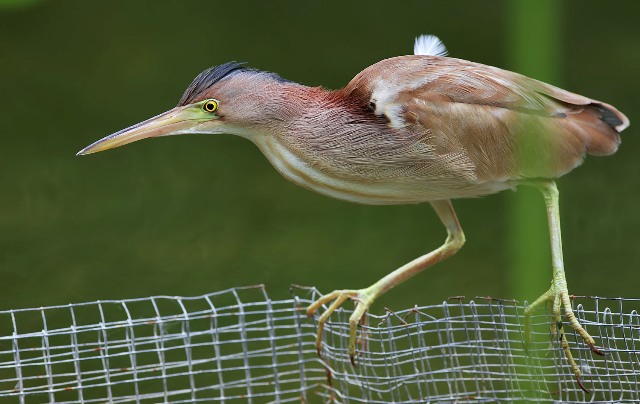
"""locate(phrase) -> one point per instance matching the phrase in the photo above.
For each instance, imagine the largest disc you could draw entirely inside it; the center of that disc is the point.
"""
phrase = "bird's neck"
(321, 132)
(287, 107)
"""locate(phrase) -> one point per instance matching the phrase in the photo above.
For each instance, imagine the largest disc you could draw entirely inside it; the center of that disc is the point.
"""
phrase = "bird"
(406, 130)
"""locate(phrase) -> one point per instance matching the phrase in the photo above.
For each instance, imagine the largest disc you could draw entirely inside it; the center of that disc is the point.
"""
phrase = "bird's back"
(508, 125)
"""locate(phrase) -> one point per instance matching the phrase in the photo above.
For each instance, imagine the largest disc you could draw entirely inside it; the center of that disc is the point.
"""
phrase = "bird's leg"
(364, 297)
(558, 294)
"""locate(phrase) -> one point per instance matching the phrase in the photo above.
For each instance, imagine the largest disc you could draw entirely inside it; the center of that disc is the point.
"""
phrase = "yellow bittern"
(409, 129)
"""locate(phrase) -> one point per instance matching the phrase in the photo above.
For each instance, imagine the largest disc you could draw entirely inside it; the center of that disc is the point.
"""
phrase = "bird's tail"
(599, 126)
(596, 123)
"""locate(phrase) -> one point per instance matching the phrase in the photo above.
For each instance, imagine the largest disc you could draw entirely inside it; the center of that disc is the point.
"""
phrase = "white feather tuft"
(429, 45)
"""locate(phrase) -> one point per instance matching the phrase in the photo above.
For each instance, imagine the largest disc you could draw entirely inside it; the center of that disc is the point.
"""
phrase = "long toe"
(575, 324)
(558, 300)
(363, 299)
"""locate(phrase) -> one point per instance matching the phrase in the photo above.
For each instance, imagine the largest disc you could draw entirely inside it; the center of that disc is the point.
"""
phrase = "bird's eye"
(210, 106)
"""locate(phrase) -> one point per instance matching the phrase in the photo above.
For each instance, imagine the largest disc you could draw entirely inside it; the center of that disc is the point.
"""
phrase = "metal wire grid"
(238, 345)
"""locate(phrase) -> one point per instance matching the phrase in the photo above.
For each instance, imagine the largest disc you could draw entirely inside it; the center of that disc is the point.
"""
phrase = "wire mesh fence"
(238, 345)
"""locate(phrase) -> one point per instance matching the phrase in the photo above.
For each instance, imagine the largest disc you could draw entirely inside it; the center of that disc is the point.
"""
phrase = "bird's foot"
(558, 296)
(363, 299)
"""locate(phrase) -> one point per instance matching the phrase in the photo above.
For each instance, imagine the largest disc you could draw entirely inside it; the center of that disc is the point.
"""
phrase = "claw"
(595, 349)
(579, 380)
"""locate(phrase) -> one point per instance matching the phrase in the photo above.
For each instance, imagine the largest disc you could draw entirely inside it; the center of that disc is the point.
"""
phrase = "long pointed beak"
(171, 122)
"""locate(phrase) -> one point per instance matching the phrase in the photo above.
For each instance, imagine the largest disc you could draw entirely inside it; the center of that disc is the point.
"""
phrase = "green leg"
(558, 294)
(365, 297)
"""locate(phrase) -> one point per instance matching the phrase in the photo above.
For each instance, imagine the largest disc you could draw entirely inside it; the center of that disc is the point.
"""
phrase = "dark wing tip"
(609, 117)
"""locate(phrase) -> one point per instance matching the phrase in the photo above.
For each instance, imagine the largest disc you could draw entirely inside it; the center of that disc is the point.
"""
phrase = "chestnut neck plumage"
(319, 137)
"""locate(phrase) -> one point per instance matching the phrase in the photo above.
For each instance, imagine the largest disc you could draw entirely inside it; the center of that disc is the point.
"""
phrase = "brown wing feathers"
(561, 126)
(597, 123)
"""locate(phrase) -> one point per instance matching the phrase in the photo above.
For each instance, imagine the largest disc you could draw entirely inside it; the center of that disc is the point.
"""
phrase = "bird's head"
(229, 98)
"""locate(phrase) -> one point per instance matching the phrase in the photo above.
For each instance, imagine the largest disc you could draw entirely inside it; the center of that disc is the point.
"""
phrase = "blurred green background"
(193, 214)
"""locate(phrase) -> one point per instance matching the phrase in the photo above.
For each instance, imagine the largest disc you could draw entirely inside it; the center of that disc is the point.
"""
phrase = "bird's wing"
(496, 117)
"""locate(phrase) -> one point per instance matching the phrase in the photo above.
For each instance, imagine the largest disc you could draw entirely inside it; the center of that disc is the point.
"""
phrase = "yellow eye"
(210, 106)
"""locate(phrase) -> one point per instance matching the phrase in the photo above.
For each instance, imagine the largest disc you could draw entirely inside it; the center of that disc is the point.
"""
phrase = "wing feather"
(429, 45)
(509, 125)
